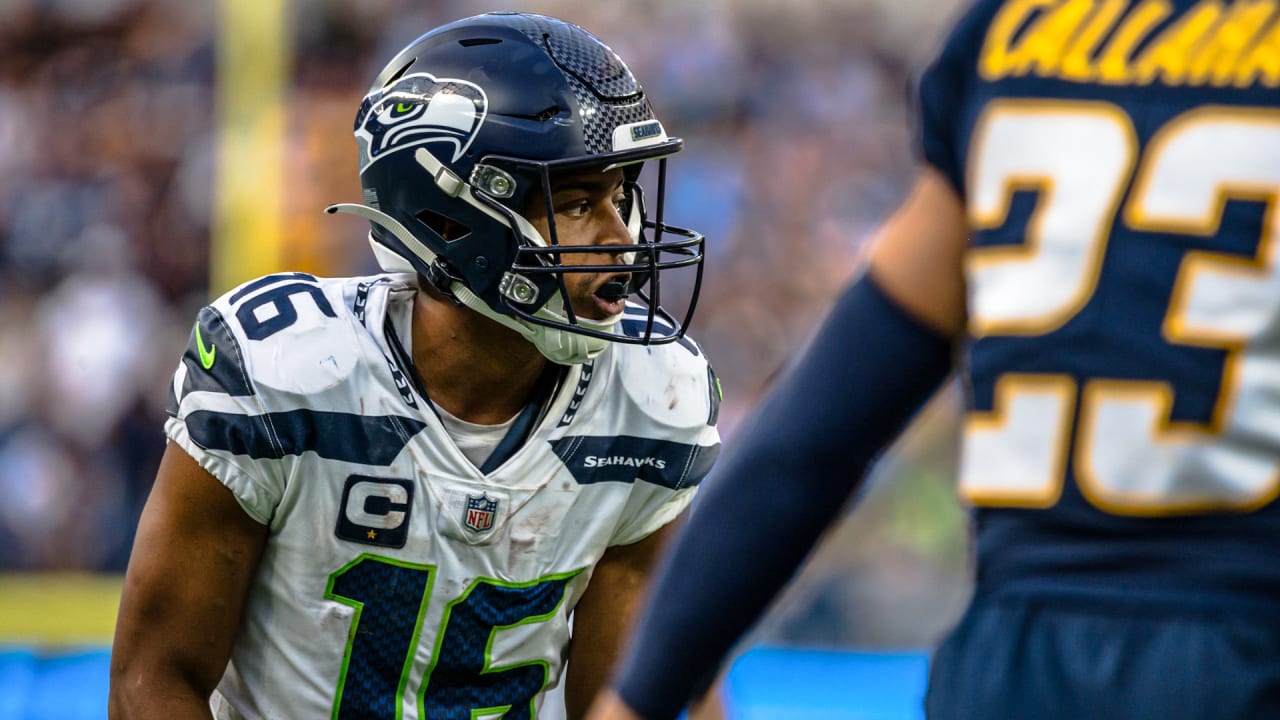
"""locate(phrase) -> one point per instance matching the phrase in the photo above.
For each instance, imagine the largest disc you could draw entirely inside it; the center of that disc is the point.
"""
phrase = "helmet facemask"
(534, 288)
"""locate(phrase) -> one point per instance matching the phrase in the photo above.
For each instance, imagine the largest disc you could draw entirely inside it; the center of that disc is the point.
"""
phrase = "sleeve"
(940, 92)
(217, 414)
(648, 512)
(678, 462)
(653, 505)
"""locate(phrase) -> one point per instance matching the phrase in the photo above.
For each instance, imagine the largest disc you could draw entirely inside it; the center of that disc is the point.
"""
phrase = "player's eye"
(576, 207)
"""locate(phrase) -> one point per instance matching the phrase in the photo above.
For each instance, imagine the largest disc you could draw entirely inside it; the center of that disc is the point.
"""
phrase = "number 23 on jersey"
(1130, 456)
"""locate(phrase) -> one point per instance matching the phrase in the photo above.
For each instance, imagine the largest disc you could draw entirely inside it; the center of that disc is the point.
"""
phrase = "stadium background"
(154, 153)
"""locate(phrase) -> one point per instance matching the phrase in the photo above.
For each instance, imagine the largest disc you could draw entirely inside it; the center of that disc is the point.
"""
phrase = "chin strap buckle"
(442, 279)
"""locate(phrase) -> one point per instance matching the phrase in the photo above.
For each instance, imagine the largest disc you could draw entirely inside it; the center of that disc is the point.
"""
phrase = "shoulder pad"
(672, 383)
(290, 332)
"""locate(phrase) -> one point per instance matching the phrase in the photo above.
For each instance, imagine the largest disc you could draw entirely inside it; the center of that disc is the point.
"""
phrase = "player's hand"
(608, 706)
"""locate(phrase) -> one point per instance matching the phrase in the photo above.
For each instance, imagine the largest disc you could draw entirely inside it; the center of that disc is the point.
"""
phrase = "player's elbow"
(125, 690)
(141, 689)
(128, 691)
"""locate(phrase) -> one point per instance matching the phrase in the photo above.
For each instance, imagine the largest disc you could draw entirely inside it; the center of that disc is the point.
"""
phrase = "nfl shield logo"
(479, 515)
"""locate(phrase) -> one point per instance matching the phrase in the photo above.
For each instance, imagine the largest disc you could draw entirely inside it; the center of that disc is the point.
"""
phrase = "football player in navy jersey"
(1092, 242)
(387, 497)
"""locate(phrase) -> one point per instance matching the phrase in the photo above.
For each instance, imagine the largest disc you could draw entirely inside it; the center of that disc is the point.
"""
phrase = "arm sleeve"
(767, 502)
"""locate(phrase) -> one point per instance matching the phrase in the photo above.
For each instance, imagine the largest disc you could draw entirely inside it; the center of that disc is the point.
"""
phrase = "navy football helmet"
(468, 119)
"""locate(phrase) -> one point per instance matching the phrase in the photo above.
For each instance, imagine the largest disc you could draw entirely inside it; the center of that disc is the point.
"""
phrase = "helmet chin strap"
(558, 345)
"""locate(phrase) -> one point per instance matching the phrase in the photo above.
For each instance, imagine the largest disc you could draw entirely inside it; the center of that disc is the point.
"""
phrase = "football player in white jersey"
(386, 497)
(1091, 245)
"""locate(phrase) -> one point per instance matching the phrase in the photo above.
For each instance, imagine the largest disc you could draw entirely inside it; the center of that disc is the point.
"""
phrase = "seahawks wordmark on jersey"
(399, 580)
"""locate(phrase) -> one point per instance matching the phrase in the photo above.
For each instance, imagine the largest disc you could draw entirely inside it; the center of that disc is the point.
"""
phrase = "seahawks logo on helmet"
(419, 109)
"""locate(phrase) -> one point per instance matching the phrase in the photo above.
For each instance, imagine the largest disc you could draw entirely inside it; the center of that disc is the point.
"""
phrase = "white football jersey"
(399, 580)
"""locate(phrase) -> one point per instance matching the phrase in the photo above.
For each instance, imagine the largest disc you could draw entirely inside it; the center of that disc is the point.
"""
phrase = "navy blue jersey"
(1015, 657)
(1120, 165)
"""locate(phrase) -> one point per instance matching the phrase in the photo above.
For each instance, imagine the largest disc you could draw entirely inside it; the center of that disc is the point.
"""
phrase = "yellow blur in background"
(58, 611)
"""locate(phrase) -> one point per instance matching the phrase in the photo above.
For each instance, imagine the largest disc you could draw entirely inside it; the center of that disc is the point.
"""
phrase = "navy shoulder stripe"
(213, 358)
(626, 459)
(171, 402)
(365, 439)
(634, 327)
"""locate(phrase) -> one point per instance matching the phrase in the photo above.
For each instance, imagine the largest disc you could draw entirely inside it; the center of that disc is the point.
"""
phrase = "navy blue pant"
(1014, 658)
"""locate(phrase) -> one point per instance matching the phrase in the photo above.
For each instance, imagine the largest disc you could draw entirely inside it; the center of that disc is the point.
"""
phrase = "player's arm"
(195, 554)
(604, 613)
(918, 255)
(882, 351)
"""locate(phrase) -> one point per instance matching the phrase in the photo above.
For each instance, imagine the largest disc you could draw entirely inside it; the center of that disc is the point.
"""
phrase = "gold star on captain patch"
(372, 535)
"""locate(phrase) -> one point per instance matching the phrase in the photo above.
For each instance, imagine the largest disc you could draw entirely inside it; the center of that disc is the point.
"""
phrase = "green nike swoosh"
(206, 355)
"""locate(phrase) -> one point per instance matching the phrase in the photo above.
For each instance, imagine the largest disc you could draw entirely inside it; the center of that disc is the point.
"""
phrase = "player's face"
(587, 206)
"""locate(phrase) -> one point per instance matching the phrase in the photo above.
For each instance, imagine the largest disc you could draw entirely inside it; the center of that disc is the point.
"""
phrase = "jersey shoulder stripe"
(370, 440)
(626, 458)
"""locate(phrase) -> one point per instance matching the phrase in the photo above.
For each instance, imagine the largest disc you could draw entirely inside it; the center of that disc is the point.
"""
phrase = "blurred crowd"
(797, 127)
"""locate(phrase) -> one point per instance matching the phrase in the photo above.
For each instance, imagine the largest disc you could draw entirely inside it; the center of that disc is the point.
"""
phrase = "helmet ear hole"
(446, 227)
